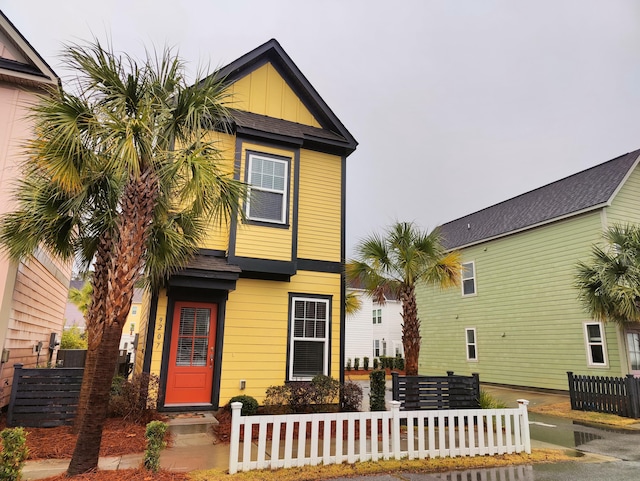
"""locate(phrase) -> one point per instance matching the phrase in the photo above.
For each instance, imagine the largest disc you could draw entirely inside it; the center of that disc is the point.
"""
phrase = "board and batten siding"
(320, 206)
(256, 331)
(265, 92)
(528, 321)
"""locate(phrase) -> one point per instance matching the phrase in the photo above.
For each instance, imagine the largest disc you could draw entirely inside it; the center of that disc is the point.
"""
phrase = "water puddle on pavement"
(507, 473)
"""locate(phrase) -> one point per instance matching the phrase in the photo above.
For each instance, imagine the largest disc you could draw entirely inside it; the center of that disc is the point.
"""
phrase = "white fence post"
(524, 424)
(234, 450)
(395, 428)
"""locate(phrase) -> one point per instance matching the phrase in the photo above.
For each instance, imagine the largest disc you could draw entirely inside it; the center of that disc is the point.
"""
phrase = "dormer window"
(268, 180)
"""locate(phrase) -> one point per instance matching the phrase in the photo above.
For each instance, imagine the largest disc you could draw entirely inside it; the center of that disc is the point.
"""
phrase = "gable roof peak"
(272, 52)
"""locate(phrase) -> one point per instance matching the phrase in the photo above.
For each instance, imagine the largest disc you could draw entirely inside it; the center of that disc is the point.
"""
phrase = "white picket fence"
(334, 438)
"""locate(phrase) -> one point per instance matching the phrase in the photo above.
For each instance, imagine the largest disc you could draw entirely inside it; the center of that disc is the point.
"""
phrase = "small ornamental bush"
(134, 399)
(349, 364)
(376, 398)
(249, 404)
(376, 363)
(155, 442)
(14, 453)
(365, 362)
(324, 389)
(277, 399)
(73, 338)
(351, 396)
(487, 401)
(356, 363)
(399, 363)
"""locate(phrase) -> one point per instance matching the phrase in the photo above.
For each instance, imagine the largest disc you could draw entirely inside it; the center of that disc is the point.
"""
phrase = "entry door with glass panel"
(633, 348)
(190, 373)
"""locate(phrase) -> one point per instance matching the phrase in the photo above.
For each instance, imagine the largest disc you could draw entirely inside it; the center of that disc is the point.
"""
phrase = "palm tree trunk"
(87, 450)
(95, 325)
(410, 330)
(125, 264)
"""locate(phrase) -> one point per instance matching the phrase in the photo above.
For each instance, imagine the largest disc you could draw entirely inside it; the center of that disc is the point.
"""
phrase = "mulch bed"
(128, 474)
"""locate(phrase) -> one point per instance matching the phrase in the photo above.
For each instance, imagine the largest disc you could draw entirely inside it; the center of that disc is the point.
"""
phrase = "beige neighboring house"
(33, 293)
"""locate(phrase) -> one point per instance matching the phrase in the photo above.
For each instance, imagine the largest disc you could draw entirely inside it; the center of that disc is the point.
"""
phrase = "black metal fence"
(44, 397)
(436, 392)
(614, 395)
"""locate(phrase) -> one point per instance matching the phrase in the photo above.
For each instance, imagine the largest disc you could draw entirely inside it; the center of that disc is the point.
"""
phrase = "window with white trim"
(376, 348)
(468, 278)
(309, 343)
(377, 316)
(268, 181)
(472, 344)
(595, 344)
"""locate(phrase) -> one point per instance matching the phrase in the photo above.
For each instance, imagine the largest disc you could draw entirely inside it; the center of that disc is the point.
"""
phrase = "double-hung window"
(309, 343)
(376, 348)
(595, 343)
(268, 181)
(468, 278)
(377, 316)
(472, 344)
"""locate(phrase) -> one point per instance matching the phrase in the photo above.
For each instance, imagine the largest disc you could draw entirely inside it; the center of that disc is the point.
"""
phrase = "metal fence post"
(234, 447)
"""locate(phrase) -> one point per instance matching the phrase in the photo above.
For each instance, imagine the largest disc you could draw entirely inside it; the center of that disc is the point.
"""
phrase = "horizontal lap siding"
(38, 305)
(256, 330)
(319, 211)
(625, 207)
(267, 242)
(524, 291)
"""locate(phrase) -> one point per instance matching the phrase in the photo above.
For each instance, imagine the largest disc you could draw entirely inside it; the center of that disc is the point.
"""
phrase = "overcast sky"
(457, 105)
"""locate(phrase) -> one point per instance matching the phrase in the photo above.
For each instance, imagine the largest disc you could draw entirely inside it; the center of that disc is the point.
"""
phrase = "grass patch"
(564, 410)
(313, 473)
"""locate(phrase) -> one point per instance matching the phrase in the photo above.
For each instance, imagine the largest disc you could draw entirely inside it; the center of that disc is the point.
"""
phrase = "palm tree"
(122, 175)
(352, 303)
(81, 298)
(396, 263)
(609, 284)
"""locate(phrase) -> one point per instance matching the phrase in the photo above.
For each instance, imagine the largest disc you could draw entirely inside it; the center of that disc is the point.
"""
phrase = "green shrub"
(155, 442)
(376, 398)
(350, 396)
(324, 389)
(277, 400)
(356, 363)
(14, 453)
(376, 363)
(134, 399)
(365, 362)
(73, 338)
(249, 404)
(349, 364)
(487, 401)
(398, 363)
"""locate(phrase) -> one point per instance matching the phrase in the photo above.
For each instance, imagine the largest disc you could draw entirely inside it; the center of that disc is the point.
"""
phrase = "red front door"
(190, 374)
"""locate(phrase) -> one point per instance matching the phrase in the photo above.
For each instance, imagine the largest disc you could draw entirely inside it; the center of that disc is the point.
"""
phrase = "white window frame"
(293, 338)
(284, 192)
(471, 278)
(376, 348)
(377, 316)
(590, 343)
(469, 344)
(134, 310)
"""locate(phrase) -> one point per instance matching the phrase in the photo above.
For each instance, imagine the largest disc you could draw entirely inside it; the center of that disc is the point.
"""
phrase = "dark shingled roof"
(205, 262)
(586, 190)
(272, 125)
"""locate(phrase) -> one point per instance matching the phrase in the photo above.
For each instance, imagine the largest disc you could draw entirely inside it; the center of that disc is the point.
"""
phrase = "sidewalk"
(193, 446)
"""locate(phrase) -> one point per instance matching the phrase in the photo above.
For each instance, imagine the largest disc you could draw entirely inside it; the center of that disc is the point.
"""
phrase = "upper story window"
(472, 344)
(377, 316)
(468, 278)
(268, 180)
(595, 343)
(134, 310)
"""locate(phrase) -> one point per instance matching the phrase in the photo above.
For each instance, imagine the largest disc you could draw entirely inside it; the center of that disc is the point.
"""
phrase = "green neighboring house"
(516, 319)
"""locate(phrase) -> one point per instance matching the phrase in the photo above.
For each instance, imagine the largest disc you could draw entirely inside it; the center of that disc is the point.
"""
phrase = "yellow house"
(261, 304)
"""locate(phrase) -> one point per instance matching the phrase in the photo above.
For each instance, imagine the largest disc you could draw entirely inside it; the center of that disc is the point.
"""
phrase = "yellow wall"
(265, 92)
(319, 209)
(261, 241)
